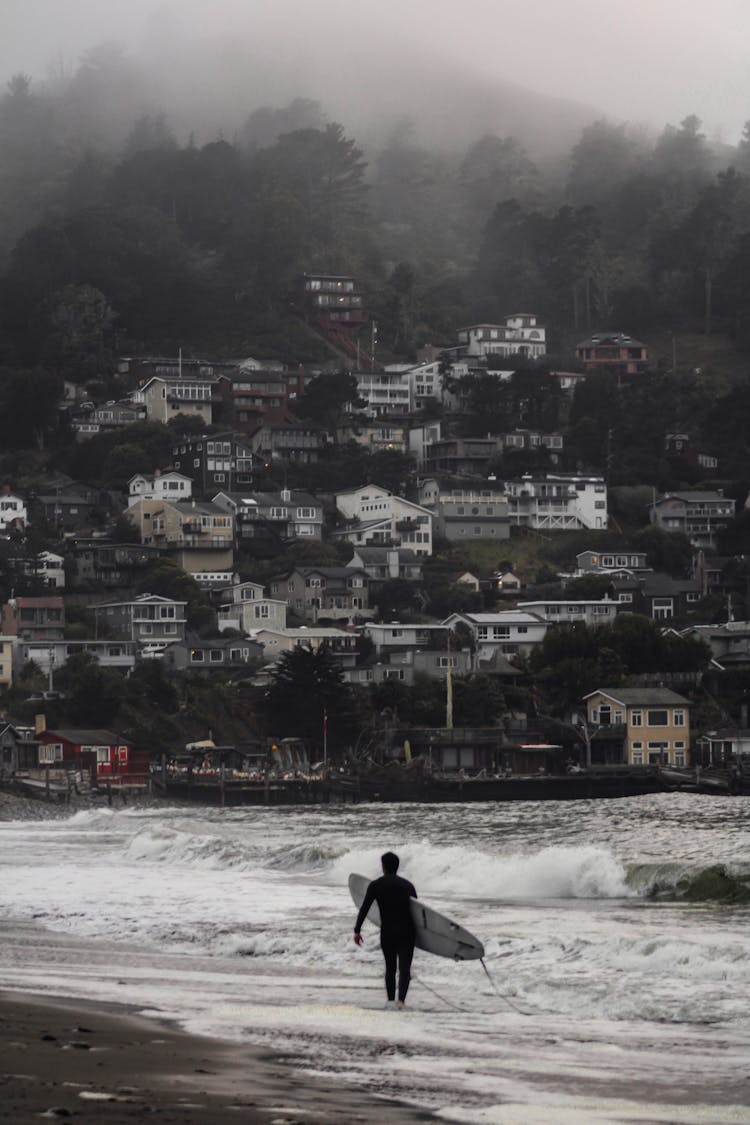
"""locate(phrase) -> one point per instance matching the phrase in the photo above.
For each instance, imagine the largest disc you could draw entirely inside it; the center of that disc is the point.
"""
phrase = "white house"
(386, 392)
(601, 611)
(48, 568)
(519, 334)
(558, 502)
(159, 486)
(13, 513)
(378, 518)
(508, 631)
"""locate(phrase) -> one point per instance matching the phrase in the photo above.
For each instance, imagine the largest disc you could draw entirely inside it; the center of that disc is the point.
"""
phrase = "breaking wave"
(716, 882)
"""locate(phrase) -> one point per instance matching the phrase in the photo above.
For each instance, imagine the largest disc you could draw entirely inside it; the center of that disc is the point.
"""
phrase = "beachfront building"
(517, 335)
(650, 725)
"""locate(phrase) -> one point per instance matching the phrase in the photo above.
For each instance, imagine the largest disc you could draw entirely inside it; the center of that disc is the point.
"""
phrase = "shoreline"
(64, 1057)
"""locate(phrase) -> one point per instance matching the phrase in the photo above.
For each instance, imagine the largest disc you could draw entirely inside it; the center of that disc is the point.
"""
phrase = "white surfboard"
(433, 932)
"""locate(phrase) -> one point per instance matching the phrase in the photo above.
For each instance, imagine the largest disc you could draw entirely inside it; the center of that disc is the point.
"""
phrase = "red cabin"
(103, 754)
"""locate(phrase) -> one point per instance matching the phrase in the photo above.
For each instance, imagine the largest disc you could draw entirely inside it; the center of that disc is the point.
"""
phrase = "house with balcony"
(246, 395)
(613, 352)
(146, 620)
(375, 435)
(384, 563)
(507, 631)
(398, 636)
(51, 655)
(216, 461)
(402, 665)
(166, 396)
(517, 335)
(159, 486)
(558, 502)
(314, 593)
(386, 393)
(332, 301)
(699, 514)
(341, 643)
(375, 517)
(106, 419)
(276, 516)
(279, 436)
(601, 611)
(462, 514)
(199, 536)
(33, 619)
(459, 456)
(114, 566)
(421, 436)
(644, 726)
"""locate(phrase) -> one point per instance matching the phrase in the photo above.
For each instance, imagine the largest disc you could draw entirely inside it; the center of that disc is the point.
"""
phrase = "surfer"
(392, 894)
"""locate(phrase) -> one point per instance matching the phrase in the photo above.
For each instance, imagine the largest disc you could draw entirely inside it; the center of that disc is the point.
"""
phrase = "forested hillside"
(151, 243)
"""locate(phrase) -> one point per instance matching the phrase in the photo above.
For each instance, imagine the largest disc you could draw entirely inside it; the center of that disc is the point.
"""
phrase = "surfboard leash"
(434, 992)
(497, 991)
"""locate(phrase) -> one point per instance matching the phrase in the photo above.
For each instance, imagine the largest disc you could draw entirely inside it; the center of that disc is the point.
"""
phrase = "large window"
(53, 752)
(658, 718)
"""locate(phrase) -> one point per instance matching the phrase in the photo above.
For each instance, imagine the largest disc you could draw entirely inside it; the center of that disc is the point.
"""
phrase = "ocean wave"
(590, 872)
(717, 882)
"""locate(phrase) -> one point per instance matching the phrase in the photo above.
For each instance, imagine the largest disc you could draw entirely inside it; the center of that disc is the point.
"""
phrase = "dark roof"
(90, 737)
(647, 696)
(598, 338)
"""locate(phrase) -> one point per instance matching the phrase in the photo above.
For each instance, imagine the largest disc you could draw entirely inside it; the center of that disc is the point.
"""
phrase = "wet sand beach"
(107, 1066)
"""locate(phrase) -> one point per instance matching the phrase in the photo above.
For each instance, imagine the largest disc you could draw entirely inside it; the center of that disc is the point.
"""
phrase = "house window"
(636, 718)
(658, 753)
(637, 757)
(216, 656)
(658, 718)
(605, 715)
(678, 719)
(102, 753)
(679, 758)
(662, 608)
(625, 598)
(52, 752)
(196, 656)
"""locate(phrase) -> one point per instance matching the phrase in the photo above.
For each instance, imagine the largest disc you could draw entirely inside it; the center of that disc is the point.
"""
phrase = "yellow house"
(197, 535)
(653, 723)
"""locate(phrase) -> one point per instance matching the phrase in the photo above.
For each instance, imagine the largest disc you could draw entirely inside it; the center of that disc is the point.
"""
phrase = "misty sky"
(651, 61)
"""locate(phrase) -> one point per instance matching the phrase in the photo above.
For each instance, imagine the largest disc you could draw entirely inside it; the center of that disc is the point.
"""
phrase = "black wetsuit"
(392, 894)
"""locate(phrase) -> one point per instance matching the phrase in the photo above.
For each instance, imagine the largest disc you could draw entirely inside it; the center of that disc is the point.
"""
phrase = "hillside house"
(337, 593)
(33, 619)
(462, 514)
(558, 502)
(159, 486)
(602, 611)
(611, 563)
(216, 654)
(508, 631)
(383, 563)
(519, 334)
(613, 352)
(14, 515)
(98, 562)
(375, 517)
(697, 514)
(216, 461)
(147, 619)
(197, 535)
(656, 595)
(166, 396)
(275, 516)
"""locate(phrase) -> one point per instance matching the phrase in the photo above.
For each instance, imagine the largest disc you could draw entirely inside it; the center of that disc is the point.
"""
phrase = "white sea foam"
(239, 923)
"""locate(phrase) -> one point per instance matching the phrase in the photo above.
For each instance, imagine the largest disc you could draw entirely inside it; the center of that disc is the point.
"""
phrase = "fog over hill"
(536, 69)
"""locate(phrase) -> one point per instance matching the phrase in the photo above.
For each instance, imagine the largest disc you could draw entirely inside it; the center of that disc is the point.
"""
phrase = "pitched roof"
(632, 697)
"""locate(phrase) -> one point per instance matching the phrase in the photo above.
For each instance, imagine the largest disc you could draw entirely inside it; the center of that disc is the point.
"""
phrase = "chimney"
(40, 724)
(286, 495)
